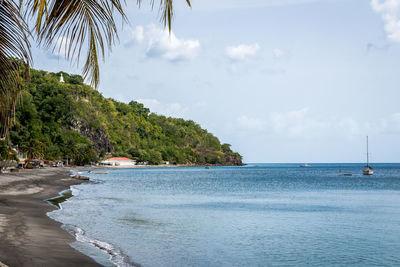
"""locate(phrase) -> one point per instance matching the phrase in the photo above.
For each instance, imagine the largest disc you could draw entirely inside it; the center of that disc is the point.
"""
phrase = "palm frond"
(86, 24)
(81, 24)
(39, 7)
(13, 37)
(167, 11)
(13, 44)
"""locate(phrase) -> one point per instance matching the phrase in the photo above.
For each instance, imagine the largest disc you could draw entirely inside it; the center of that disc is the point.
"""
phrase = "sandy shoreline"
(28, 237)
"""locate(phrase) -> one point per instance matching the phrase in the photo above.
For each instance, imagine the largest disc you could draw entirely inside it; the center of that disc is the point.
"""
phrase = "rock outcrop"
(233, 160)
(99, 138)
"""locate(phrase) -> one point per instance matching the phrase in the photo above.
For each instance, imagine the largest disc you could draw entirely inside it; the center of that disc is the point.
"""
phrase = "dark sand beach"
(28, 237)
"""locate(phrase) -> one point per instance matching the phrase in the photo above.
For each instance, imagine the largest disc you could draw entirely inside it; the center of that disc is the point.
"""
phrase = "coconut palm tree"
(13, 43)
(75, 26)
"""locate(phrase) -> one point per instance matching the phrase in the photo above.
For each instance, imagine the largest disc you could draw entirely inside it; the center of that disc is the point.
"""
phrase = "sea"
(255, 215)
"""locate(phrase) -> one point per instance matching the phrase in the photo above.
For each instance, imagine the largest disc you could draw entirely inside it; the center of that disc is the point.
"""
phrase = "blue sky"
(280, 80)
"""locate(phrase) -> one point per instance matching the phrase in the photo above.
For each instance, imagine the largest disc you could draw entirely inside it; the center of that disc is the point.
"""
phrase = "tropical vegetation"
(73, 121)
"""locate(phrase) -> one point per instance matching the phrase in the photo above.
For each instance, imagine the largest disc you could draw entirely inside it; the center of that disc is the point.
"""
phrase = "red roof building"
(119, 161)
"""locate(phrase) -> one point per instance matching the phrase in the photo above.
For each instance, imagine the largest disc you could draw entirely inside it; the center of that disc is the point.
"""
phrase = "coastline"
(28, 236)
(162, 166)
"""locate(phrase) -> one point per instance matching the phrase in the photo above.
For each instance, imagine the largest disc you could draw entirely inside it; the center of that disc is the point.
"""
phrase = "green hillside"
(73, 121)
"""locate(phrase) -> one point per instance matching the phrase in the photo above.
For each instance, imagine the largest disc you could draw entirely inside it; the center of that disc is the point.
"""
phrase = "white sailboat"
(368, 170)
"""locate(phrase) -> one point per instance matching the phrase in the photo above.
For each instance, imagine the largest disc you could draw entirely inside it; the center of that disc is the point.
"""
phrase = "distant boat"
(344, 174)
(98, 172)
(368, 170)
(305, 165)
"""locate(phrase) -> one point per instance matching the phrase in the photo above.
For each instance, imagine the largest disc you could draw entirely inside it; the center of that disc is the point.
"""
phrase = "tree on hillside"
(74, 122)
(68, 25)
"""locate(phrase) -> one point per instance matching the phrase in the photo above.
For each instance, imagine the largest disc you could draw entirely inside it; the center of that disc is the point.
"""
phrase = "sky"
(279, 80)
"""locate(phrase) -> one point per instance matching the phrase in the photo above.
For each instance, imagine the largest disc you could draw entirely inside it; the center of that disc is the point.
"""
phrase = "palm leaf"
(167, 11)
(86, 24)
(80, 24)
(13, 44)
(39, 7)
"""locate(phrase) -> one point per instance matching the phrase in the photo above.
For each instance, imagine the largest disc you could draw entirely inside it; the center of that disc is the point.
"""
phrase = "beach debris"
(77, 175)
(82, 178)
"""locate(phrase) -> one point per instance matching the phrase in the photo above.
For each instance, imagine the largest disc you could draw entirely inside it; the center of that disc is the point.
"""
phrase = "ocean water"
(257, 215)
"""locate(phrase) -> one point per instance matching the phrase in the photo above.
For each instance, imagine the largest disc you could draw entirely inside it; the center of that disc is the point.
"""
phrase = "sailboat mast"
(368, 170)
(367, 153)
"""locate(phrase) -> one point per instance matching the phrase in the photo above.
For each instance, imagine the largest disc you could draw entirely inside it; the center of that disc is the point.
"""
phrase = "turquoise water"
(258, 215)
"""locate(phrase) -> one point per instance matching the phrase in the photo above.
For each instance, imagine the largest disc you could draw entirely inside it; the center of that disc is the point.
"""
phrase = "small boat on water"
(305, 165)
(368, 170)
(98, 172)
(344, 174)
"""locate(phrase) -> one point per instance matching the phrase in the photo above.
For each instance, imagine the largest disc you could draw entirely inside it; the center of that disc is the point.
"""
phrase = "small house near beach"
(118, 161)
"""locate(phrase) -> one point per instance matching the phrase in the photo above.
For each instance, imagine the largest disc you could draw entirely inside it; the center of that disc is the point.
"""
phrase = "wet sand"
(28, 237)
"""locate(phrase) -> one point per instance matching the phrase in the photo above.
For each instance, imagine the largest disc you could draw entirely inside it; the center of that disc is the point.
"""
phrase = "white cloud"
(242, 52)
(349, 127)
(390, 12)
(225, 4)
(391, 124)
(278, 53)
(137, 34)
(293, 122)
(166, 45)
(168, 109)
(302, 124)
(162, 44)
(250, 123)
(396, 118)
